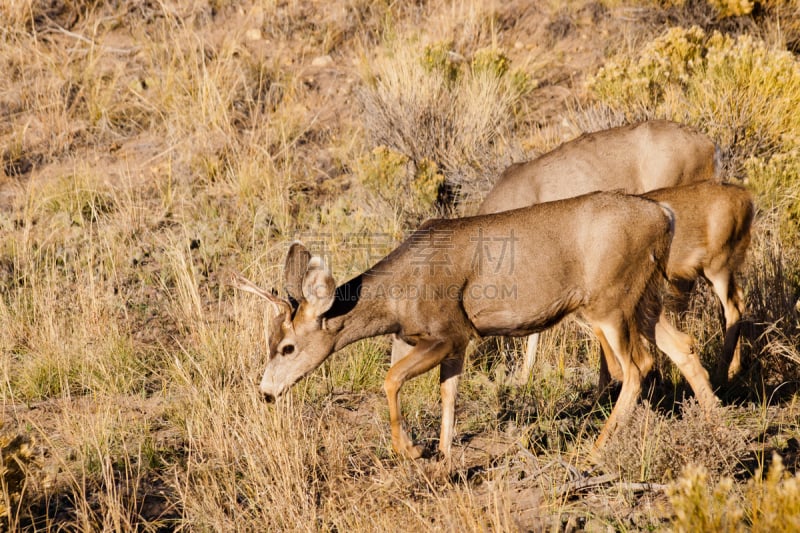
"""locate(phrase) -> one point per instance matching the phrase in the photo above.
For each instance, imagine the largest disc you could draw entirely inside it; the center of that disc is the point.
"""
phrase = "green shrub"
(390, 176)
(638, 85)
(491, 61)
(773, 503)
(742, 91)
(698, 509)
(427, 184)
(437, 107)
(384, 171)
(776, 183)
(768, 503)
(747, 93)
(732, 8)
(438, 58)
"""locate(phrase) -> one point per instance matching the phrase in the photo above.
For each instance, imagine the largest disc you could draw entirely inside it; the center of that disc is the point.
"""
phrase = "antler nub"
(238, 281)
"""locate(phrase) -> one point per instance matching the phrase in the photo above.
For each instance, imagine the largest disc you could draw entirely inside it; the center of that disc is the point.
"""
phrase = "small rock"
(322, 61)
(253, 34)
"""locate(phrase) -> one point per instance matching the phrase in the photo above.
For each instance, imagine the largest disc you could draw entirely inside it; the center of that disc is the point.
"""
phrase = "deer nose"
(267, 397)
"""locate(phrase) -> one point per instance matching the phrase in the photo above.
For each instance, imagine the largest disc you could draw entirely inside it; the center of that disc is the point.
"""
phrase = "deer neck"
(359, 311)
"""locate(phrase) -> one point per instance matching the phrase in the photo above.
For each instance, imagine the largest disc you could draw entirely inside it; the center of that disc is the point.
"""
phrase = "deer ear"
(294, 270)
(319, 288)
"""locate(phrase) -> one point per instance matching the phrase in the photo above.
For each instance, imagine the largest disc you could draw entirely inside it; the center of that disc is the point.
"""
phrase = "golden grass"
(146, 147)
(769, 502)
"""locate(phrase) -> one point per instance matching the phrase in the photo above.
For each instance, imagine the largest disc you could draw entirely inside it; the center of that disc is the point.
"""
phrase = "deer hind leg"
(678, 347)
(732, 300)
(678, 294)
(609, 365)
(624, 345)
(421, 358)
(449, 373)
(524, 373)
(400, 348)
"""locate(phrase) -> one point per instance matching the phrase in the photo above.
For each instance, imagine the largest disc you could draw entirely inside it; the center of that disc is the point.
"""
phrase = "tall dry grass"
(147, 146)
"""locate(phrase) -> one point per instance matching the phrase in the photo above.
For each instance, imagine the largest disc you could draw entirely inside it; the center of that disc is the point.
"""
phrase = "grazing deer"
(634, 159)
(712, 233)
(510, 273)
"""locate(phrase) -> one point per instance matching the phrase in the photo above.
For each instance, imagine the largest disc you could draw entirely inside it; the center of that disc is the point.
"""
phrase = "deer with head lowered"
(602, 255)
(634, 159)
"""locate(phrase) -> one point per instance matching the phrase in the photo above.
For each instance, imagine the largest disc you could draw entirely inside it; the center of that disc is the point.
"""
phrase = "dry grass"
(148, 146)
(430, 102)
(649, 448)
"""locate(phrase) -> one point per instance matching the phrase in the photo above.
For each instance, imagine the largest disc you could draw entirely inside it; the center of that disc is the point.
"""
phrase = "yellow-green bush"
(776, 182)
(384, 171)
(742, 91)
(435, 104)
(438, 57)
(637, 85)
(491, 60)
(732, 8)
(699, 508)
(391, 176)
(427, 183)
(768, 503)
(752, 91)
(670, 59)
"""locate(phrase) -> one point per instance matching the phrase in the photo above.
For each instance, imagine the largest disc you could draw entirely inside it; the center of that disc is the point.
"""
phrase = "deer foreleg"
(421, 358)
(449, 373)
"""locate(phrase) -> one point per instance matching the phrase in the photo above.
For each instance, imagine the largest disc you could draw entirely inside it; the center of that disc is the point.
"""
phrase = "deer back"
(633, 158)
(521, 271)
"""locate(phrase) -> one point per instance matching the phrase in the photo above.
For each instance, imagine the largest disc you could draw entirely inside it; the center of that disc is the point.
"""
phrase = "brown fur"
(712, 233)
(634, 159)
(447, 283)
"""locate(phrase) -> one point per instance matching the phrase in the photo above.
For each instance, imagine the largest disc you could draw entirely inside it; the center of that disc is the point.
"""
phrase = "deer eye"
(288, 349)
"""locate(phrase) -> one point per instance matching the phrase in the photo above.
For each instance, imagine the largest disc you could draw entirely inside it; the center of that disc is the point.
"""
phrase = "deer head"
(296, 337)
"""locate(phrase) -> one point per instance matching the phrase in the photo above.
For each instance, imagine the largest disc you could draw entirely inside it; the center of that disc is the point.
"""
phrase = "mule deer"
(712, 233)
(635, 158)
(510, 273)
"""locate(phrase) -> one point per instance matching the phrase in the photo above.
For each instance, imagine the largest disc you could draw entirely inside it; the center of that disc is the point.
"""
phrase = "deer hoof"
(414, 452)
(410, 451)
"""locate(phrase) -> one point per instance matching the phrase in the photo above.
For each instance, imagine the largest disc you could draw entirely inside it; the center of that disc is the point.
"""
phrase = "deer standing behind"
(634, 158)
(510, 273)
(712, 233)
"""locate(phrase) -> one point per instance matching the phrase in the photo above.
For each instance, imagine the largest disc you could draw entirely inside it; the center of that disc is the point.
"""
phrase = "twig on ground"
(114, 50)
(605, 479)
